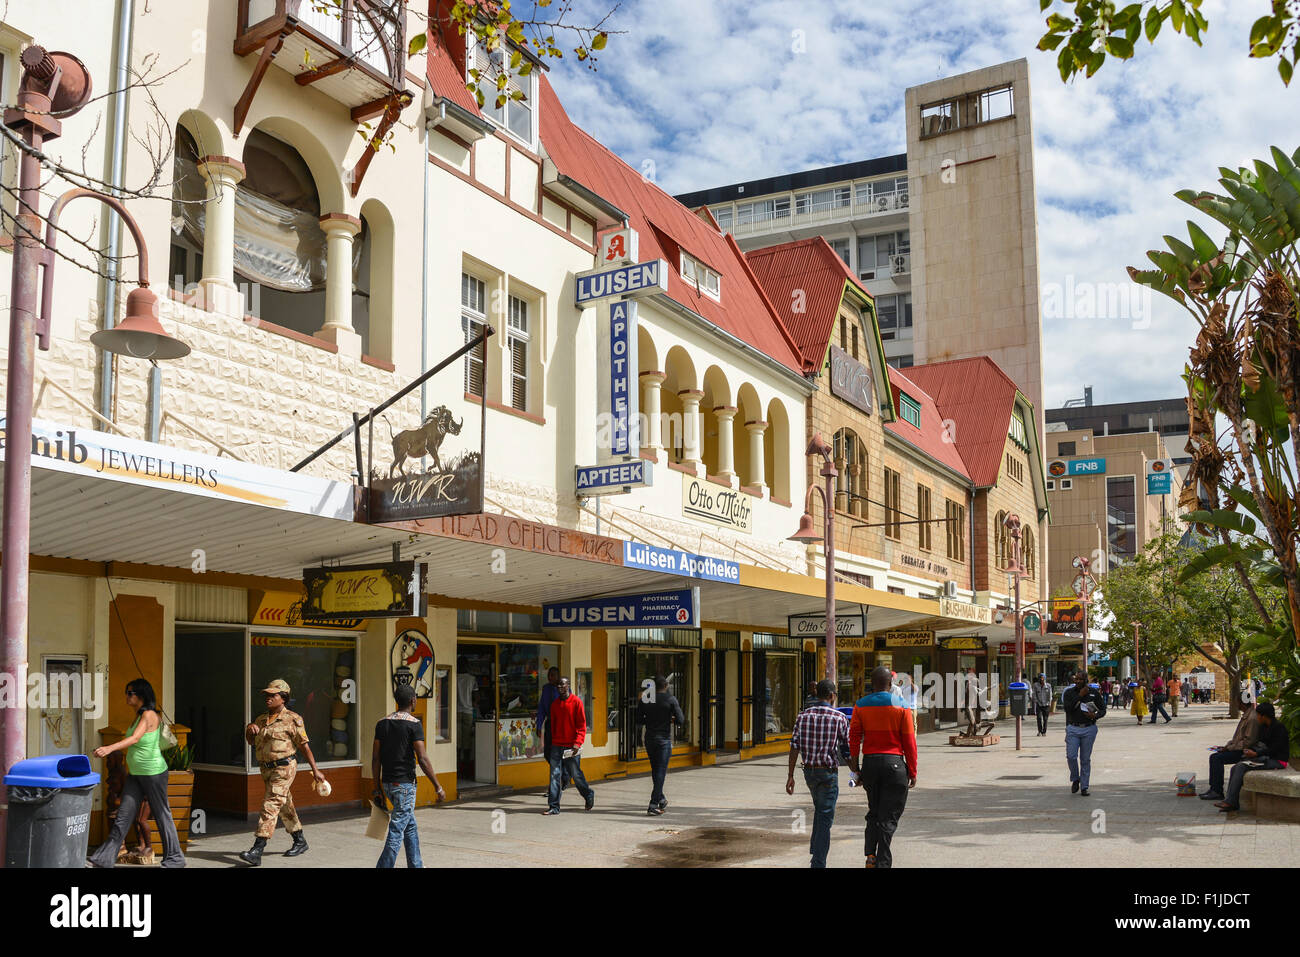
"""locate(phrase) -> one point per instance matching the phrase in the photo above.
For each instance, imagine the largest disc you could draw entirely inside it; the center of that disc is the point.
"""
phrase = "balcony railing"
(883, 205)
(339, 36)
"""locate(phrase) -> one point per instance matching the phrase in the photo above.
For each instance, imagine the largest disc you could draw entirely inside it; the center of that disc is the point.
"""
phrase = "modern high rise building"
(944, 236)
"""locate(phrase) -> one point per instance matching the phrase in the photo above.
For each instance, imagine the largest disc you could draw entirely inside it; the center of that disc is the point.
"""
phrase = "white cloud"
(714, 94)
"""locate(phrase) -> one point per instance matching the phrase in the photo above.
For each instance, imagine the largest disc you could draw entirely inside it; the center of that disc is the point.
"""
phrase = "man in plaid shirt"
(820, 733)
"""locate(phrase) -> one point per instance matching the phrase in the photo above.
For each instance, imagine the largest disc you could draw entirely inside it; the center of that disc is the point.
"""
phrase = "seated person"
(1246, 735)
(1273, 751)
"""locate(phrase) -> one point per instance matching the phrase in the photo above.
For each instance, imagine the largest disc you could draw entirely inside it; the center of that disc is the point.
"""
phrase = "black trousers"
(1042, 711)
(884, 778)
(658, 750)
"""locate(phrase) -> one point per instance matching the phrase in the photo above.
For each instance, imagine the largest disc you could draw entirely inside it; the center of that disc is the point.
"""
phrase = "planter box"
(180, 788)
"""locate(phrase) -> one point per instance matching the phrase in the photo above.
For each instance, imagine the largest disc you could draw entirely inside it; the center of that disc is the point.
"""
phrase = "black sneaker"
(1210, 796)
(551, 810)
(591, 800)
(654, 810)
(1083, 793)
(1074, 787)
(663, 804)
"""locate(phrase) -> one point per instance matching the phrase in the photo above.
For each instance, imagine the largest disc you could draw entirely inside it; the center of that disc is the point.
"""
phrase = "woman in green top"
(146, 778)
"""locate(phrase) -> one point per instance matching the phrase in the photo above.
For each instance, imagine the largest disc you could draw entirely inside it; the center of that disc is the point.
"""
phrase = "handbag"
(166, 736)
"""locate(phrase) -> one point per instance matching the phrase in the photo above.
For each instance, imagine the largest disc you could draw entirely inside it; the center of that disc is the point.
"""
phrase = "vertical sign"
(621, 392)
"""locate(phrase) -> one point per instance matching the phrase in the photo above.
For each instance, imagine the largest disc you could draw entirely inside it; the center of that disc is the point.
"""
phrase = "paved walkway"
(971, 808)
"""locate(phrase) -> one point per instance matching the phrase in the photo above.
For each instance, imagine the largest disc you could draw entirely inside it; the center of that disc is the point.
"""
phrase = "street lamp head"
(140, 335)
(818, 446)
(806, 534)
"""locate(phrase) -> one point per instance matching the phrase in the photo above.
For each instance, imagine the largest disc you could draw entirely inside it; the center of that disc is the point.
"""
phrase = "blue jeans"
(566, 767)
(401, 826)
(824, 785)
(1078, 752)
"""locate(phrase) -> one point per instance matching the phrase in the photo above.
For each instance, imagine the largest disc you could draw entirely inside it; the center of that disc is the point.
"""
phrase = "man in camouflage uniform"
(276, 736)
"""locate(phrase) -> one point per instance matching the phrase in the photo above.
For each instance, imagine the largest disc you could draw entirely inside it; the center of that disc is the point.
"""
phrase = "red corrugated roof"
(979, 398)
(931, 438)
(665, 226)
(805, 282)
(446, 64)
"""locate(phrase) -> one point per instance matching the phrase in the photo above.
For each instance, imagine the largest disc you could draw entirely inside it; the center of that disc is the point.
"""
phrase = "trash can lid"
(53, 771)
(1019, 686)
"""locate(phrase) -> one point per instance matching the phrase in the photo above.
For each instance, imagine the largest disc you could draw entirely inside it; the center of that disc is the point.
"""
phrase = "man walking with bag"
(819, 733)
(399, 745)
(1083, 706)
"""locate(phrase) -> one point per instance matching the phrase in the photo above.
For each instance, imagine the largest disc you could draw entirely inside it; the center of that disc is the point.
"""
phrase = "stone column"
(756, 429)
(340, 229)
(652, 431)
(855, 504)
(726, 455)
(691, 455)
(841, 493)
(222, 176)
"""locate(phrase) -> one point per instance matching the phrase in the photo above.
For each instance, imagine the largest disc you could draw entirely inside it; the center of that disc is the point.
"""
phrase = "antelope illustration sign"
(450, 483)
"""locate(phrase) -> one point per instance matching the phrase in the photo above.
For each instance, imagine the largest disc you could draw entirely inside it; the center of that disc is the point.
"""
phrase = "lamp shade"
(140, 335)
(806, 534)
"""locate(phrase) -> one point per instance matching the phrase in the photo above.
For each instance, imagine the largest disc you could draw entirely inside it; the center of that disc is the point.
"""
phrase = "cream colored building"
(309, 292)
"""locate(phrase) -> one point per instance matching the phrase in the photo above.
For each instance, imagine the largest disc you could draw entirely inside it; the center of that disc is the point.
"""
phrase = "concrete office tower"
(944, 237)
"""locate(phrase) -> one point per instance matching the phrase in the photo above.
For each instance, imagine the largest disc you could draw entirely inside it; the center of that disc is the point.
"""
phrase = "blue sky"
(714, 91)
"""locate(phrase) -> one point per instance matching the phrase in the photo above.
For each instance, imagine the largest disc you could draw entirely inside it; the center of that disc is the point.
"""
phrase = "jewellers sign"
(850, 380)
(721, 506)
(965, 611)
(345, 592)
(114, 458)
(814, 626)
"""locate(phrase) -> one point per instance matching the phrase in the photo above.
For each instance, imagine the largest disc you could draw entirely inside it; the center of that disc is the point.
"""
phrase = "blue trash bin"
(50, 800)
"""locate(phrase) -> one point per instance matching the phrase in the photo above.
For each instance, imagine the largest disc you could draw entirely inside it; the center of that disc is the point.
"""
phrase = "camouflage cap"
(278, 686)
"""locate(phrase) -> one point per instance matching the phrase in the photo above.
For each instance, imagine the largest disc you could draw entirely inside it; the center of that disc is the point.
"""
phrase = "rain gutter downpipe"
(117, 162)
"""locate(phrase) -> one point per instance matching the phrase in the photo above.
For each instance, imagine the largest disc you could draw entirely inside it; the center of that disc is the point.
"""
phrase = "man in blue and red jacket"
(568, 731)
(882, 730)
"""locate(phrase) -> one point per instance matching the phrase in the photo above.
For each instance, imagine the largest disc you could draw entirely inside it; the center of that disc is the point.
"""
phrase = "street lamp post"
(1137, 660)
(808, 535)
(1012, 522)
(53, 84)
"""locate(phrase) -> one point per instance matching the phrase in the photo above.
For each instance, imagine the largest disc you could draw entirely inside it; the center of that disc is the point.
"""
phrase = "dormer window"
(910, 409)
(701, 277)
(517, 115)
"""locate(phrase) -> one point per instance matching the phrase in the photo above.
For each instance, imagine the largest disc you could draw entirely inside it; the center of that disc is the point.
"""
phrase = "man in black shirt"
(399, 744)
(1083, 706)
(657, 716)
(1271, 753)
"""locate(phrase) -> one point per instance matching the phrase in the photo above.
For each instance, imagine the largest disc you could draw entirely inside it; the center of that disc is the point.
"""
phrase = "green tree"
(1212, 614)
(1089, 31)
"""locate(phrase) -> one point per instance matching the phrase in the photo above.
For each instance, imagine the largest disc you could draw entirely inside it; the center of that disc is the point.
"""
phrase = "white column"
(222, 176)
(726, 456)
(339, 228)
(652, 432)
(691, 426)
(756, 459)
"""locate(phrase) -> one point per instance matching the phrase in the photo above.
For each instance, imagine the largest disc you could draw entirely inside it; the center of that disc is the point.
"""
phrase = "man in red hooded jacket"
(568, 731)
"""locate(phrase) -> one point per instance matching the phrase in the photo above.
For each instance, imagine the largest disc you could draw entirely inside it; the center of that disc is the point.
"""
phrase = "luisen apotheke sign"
(721, 506)
(850, 380)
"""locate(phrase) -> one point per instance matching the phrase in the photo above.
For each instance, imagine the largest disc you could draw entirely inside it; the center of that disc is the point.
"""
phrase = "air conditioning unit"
(950, 589)
(901, 201)
(882, 203)
(898, 265)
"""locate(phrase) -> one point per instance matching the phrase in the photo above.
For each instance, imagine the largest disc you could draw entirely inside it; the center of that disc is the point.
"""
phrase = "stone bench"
(1272, 794)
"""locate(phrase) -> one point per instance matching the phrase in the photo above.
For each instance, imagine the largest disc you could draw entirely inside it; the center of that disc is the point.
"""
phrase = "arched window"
(777, 450)
(1027, 552)
(850, 456)
(1001, 543)
(185, 261)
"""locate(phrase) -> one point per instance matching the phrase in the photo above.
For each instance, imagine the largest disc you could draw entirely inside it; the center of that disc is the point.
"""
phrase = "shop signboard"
(907, 639)
(1160, 476)
(637, 279)
(1067, 617)
(855, 644)
(722, 506)
(964, 643)
(1061, 468)
(1047, 647)
(613, 479)
(283, 609)
(965, 611)
(814, 625)
(618, 247)
(664, 609)
(411, 660)
(346, 592)
(451, 483)
(850, 380)
(669, 560)
(617, 398)
(1009, 648)
(115, 458)
(1033, 621)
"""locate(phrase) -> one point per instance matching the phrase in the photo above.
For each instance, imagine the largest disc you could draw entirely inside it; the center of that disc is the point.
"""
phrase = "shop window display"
(209, 670)
(782, 692)
(322, 673)
(521, 673)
